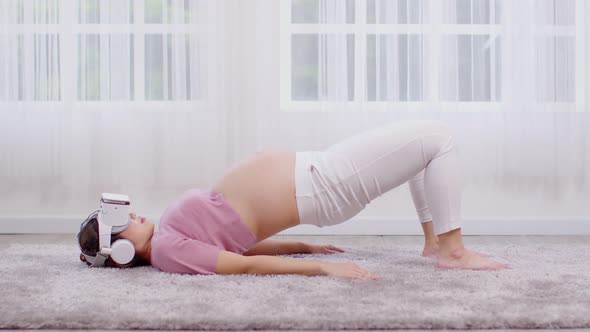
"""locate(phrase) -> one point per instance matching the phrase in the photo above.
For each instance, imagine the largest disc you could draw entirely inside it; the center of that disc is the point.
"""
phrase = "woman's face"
(140, 232)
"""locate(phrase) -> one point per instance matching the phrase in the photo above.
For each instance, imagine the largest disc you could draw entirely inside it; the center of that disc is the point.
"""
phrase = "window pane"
(12, 81)
(397, 11)
(170, 11)
(33, 71)
(171, 67)
(13, 13)
(304, 67)
(44, 11)
(179, 11)
(317, 74)
(154, 67)
(322, 11)
(555, 69)
(555, 12)
(89, 69)
(105, 67)
(395, 67)
(470, 68)
(105, 11)
(153, 11)
(472, 11)
(38, 12)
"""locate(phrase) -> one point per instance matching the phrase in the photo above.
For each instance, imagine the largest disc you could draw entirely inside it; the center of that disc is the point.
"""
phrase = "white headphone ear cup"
(123, 251)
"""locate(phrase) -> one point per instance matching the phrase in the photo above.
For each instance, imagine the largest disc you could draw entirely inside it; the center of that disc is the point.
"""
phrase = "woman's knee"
(437, 138)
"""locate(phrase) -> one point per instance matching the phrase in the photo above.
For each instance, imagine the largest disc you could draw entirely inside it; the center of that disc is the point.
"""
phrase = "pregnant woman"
(224, 229)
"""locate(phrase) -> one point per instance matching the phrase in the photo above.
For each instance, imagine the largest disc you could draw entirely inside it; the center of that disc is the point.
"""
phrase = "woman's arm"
(273, 247)
(232, 263)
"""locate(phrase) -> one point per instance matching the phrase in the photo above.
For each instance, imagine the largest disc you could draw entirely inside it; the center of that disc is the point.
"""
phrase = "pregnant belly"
(261, 188)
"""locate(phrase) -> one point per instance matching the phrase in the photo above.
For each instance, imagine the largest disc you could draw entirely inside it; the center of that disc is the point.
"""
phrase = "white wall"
(527, 170)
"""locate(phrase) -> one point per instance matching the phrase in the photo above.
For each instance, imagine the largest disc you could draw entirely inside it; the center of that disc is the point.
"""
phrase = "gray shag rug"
(45, 286)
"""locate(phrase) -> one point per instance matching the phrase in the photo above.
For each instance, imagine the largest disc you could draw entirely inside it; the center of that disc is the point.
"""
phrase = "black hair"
(88, 240)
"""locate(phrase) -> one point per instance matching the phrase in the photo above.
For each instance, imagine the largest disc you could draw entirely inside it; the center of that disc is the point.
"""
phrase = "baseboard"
(471, 226)
(355, 226)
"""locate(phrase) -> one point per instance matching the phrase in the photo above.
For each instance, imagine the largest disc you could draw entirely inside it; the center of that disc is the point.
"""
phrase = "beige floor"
(343, 240)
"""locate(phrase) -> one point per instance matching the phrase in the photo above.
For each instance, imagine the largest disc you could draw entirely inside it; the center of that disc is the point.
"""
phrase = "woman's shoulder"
(197, 214)
(173, 252)
(189, 200)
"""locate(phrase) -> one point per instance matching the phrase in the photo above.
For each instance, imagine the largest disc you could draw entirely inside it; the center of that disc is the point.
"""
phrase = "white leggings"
(335, 184)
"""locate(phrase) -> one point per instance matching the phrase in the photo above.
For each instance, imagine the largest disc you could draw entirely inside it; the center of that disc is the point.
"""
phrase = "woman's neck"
(148, 253)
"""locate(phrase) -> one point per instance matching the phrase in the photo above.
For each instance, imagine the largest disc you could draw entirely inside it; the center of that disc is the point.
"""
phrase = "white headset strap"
(104, 244)
(104, 238)
(99, 259)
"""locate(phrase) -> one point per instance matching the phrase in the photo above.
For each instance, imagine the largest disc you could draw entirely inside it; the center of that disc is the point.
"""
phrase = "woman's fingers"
(334, 248)
(348, 270)
(363, 274)
(330, 249)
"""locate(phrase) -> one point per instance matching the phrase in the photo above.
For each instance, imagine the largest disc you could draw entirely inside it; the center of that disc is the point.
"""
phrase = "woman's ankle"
(431, 243)
(455, 253)
(451, 244)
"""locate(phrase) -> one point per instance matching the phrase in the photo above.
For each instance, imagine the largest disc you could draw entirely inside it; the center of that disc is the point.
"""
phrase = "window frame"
(435, 31)
(68, 30)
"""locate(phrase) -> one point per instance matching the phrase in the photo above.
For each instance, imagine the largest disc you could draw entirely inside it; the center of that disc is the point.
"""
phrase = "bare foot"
(468, 260)
(479, 253)
(431, 248)
(430, 251)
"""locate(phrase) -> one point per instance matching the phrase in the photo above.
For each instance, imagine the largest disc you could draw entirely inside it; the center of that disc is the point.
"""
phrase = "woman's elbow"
(232, 263)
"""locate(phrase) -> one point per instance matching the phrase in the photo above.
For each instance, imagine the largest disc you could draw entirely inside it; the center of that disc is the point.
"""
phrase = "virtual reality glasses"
(113, 218)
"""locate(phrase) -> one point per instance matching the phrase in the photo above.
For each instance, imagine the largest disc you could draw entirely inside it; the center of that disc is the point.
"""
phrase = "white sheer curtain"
(152, 97)
(510, 77)
(109, 96)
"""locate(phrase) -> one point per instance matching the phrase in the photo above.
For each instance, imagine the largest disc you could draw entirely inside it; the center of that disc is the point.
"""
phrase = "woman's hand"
(323, 249)
(347, 270)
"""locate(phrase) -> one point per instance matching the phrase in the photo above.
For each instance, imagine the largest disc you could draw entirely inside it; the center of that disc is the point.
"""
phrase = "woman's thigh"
(351, 173)
(387, 156)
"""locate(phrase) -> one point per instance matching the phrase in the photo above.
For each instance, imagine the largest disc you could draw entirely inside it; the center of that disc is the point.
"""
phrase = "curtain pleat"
(167, 95)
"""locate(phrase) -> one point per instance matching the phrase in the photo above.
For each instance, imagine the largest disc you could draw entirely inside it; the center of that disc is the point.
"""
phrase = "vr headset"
(113, 218)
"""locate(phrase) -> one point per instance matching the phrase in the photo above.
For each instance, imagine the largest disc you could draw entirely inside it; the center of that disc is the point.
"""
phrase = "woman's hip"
(325, 189)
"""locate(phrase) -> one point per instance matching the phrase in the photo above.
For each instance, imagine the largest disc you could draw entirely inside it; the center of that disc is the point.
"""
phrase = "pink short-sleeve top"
(194, 229)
